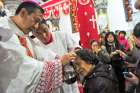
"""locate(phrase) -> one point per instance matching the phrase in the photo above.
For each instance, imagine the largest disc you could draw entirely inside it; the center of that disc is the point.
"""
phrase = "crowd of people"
(35, 59)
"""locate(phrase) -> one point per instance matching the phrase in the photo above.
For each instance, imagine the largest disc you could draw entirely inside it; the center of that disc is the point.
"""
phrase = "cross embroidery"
(93, 21)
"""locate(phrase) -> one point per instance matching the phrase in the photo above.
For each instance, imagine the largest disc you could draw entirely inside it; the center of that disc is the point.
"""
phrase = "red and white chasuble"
(87, 22)
(51, 77)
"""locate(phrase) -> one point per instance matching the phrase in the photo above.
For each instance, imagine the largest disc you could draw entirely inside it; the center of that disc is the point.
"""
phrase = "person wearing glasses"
(20, 71)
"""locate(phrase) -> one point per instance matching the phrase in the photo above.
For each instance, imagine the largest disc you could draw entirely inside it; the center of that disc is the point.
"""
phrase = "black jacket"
(138, 74)
(101, 80)
(134, 58)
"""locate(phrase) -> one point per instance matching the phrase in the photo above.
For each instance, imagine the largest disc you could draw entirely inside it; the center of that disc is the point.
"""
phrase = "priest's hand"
(68, 57)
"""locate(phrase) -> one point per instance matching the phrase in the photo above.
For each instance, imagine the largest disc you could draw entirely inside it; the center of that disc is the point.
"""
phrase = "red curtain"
(87, 23)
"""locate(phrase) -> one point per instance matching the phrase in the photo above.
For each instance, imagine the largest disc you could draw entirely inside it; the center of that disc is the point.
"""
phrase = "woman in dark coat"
(112, 46)
(98, 77)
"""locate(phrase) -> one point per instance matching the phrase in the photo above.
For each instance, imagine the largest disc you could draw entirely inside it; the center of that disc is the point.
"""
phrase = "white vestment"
(22, 74)
(42, 52)
(18, 73)
(63, 43)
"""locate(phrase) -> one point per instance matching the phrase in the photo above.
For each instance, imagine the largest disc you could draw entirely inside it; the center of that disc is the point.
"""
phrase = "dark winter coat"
(101, 80)
(117, 63)
(134, 58)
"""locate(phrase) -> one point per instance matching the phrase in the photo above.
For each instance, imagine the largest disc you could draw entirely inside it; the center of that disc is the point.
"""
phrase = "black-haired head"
(29, 6)
(122, 32)
(87, 56)
(92, 41)
(136, 31)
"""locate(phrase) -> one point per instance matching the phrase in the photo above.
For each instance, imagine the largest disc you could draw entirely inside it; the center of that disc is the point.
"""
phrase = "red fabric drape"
(87, 22)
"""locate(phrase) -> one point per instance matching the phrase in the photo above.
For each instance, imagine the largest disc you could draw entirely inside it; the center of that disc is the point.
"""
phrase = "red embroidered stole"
(23, 42)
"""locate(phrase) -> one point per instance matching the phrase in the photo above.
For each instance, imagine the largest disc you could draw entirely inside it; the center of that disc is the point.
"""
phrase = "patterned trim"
(23, 42)
(51, 77)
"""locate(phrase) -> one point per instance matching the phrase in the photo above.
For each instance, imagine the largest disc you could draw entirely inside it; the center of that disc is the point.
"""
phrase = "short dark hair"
(122, 32)
(29, 6)
(136, 31)
(92, 41)
(87, 56)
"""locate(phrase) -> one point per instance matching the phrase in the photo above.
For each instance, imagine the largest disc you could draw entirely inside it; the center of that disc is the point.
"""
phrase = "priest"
(20, 71)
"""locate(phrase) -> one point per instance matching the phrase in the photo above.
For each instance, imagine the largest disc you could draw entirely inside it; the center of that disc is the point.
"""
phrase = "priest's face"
(29, 20)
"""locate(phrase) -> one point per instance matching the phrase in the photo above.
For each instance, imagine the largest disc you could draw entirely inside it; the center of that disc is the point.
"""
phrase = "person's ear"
(23, 12)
